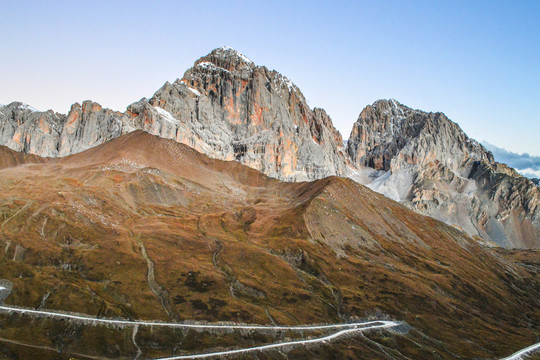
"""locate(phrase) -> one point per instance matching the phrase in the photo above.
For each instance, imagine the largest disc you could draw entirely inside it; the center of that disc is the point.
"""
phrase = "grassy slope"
(228, 244)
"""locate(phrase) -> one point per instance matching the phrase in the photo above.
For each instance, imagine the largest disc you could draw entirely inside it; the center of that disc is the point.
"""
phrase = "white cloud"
(525, 164)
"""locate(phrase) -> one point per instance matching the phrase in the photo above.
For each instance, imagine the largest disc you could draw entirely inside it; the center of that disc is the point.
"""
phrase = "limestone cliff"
(427, 161)
(228, 108)
(49, 134)
(25, 129)
(224, 106)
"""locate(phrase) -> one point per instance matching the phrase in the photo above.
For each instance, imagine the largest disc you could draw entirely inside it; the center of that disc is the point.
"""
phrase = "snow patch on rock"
(24, 106)
(211, 66)
(195, 91)
(228, 51)
(165, 115)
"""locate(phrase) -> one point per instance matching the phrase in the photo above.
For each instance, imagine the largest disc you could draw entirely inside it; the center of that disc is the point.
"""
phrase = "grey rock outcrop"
(50, 134)
(224, 106)
(86, 126)
(228, 108)
(6, 287)
(25, 129)
(427, 161)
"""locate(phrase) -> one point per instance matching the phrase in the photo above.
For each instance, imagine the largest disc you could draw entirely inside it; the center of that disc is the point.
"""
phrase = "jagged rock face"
(50, 134)
(430, 164)
(225, 107)
(372, 142)
(515, 205)
(87, 126)
(536, 182)
(388, 129)
(25, 129)
(228, 108)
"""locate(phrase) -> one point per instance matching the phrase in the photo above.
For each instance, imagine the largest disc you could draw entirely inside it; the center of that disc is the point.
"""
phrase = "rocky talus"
(427, 161)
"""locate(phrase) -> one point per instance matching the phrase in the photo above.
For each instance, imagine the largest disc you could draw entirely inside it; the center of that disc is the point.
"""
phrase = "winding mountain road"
(341, 330)
(381, 325)
(519, 355)
(95, 320)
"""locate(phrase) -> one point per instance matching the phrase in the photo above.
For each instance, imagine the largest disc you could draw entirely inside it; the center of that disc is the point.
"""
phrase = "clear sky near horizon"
(476, 61)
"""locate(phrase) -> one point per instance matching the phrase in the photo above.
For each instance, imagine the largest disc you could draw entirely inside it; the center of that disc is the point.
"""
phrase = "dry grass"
(229, 244)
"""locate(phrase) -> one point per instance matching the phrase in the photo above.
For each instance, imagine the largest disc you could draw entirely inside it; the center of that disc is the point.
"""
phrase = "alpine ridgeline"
(225, 107)
(228, 108)
(427, 162)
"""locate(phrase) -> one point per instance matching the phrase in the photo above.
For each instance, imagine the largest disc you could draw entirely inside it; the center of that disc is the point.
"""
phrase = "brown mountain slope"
(146, 228)
(10, 158)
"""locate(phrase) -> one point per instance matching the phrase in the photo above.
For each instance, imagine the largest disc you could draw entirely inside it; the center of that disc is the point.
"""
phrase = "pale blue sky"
(476, 61)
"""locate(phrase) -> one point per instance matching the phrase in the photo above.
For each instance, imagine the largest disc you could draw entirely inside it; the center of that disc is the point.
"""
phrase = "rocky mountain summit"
(228, 108)
(427, 161)
(224, 106)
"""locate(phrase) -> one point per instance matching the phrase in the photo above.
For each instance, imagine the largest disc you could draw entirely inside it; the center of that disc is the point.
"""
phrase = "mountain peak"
(389, 105)
(228, 51)
(225, 58)
(21, 106)
(439, 171)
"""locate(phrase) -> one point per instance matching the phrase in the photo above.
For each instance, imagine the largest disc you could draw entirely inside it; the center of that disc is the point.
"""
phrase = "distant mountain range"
(228, 108)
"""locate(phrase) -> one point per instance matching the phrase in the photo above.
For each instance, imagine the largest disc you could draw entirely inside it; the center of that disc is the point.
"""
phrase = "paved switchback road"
(524, 352)
(341, 329)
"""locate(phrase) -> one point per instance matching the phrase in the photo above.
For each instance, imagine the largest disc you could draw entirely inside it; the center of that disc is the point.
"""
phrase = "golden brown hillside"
(146, 228)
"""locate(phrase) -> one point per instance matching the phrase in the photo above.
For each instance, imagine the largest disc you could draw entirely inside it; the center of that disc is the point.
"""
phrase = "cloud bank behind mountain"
(525, 164)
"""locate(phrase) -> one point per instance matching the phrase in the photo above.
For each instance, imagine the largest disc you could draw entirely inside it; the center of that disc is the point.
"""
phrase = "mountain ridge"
(228, 108)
